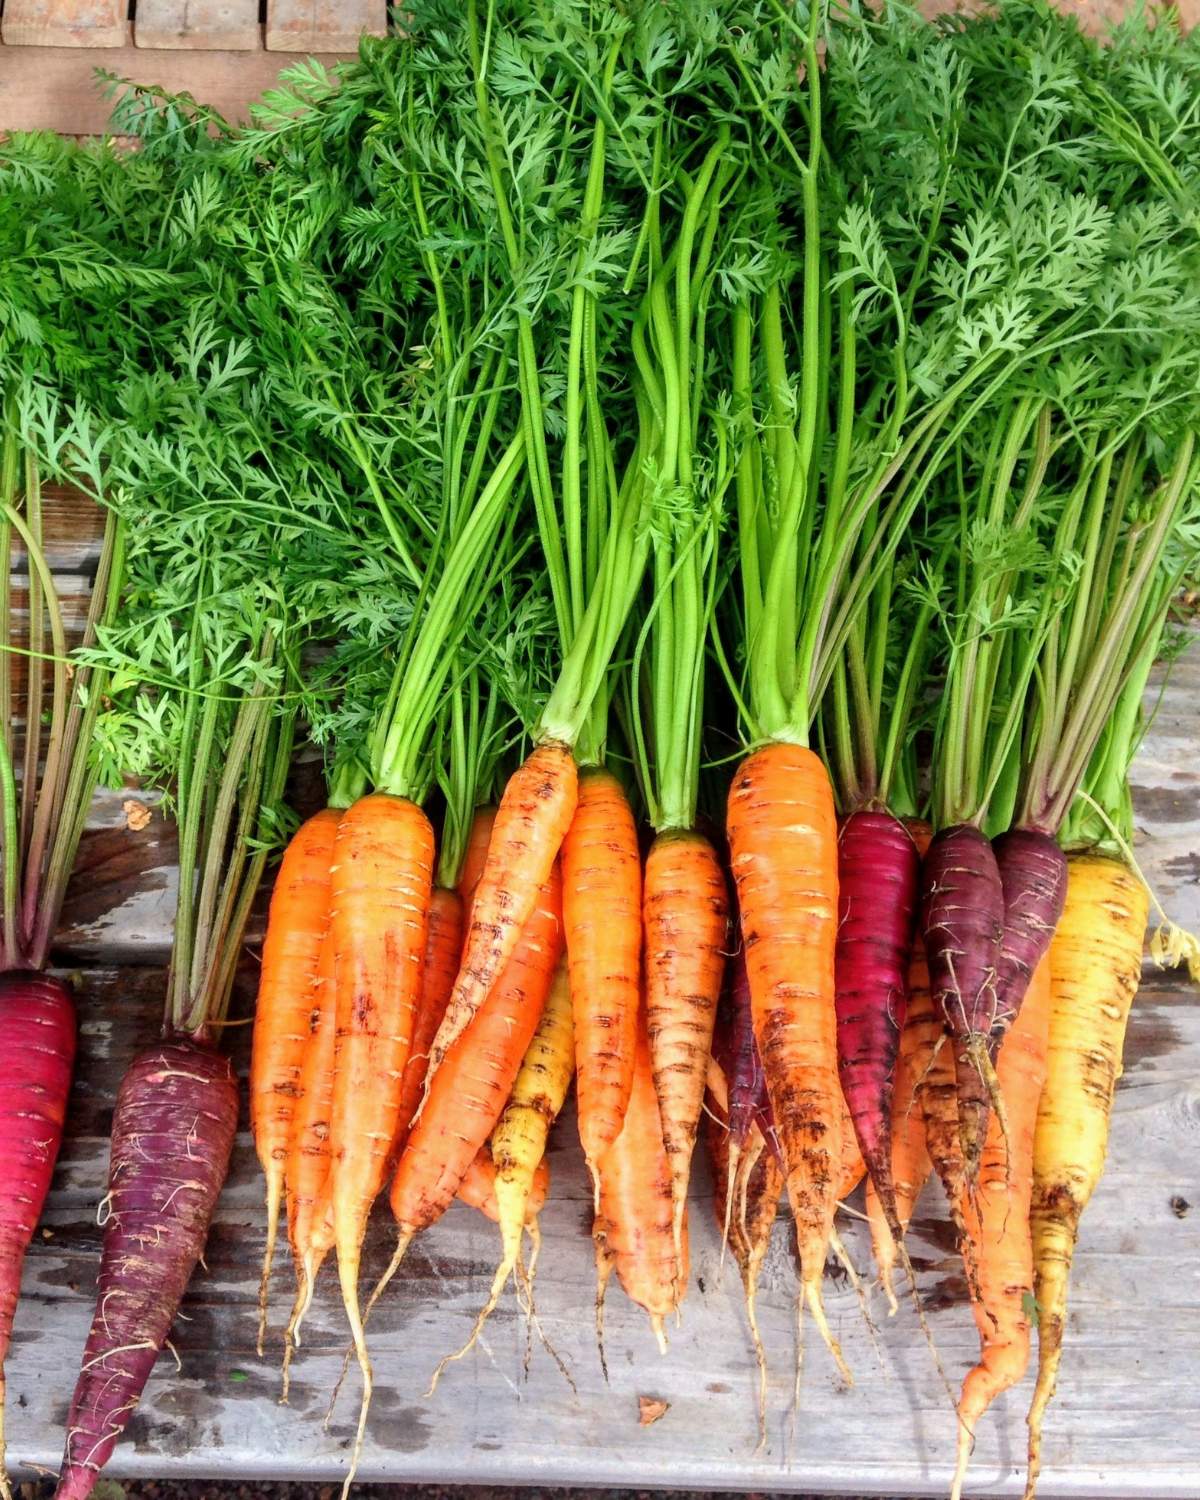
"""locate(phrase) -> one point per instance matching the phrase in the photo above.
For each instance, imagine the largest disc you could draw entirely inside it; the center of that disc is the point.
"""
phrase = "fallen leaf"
(650, 1409)
(137, 815)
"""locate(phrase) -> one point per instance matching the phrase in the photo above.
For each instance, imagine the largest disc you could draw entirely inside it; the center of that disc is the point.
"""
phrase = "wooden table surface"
(1126, 1422)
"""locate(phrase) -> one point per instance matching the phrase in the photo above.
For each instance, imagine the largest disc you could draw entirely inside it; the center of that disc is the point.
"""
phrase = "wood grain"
(64, 23)
(198, 24)
(322, 25)
(54, 88)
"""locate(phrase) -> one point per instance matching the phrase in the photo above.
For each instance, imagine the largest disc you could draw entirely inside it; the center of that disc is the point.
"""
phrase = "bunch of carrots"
(712, 489)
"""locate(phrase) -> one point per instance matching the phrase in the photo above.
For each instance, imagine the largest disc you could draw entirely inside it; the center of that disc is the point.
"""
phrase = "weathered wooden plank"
(54, 88)
(64, 23)
(323, 25)
(1135, 1309)
(211, 25)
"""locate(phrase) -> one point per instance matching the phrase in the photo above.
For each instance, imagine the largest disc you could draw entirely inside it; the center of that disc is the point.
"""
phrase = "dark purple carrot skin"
(172, 1136)
(1033, 873)
(37, 1045)
(747, 1080)
(962, 922)
(879, 873)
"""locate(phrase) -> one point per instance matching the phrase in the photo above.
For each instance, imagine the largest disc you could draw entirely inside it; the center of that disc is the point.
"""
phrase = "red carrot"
(1033, 872)
(172, 1136)
(878, 874)
(37, 1043)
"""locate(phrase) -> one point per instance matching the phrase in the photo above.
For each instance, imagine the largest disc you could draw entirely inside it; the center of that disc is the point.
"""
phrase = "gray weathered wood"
(1126, 1422)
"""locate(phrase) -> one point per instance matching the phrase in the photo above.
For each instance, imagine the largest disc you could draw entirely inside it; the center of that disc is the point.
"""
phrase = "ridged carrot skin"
(470, 1089)
(172, 1136)
(633, 1231)
(783, 847)
(296, 928)
(878, 876)
(1095, 966)
(530, 825)
(685, 909)
(910, 1156)
(962, 922)
(309, 1213)
(996, 1214)
(443, 948)
(602, 908)
(1033, 872)
(37, 1043)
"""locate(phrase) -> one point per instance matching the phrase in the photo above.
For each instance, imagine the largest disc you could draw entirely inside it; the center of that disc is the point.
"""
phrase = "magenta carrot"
(37, 1043)
(1033, 872)
(172, 1136)
(878, 875)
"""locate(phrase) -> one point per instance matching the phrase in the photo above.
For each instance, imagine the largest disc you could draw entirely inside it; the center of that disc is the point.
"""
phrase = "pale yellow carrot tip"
(966, 1442)
(750, 1287)
(812, 1295)
(348, 1274)
(499, 1282)
(264, 1280)
(918, 1308)
(660, 1332)
(843, 1255)
(604, 1269)
(291, 1337)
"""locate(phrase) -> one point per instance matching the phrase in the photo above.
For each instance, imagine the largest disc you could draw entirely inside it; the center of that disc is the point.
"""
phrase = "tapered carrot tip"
(973, 1114)
(660, 1332)
(966, 1443)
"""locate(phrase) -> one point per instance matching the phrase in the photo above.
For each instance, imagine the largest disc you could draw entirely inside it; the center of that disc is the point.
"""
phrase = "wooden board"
(1126, 1422)
(195, 24)
(64, 23)
(322, 25)
(54, 88)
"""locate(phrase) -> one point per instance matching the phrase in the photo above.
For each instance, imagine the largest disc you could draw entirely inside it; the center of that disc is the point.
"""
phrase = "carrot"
(997, 1219)
(602, 908)
(633, 1231)
(478, 1188)
(37, 1042)
(910, 1167)
(309, 1214)
(686, 917)
(878, 874)
(172, 1138)
(1095, 966)
(852, 1168)
(296, 926)
(475, 854)
(531, 823)
(783, 846)
(381, 890)
(469, 1090)
(519, 1140)
(443, 947)
(750, 1236)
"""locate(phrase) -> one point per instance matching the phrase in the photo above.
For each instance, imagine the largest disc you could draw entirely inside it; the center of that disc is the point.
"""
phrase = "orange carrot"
(475, 854)
(997, 1219)
(686, 916)
(382, 885)
(531, 823)
(852, 1167)
(296, 926)
(633, 1229)
(308, 1162)
(602, 908)
(478, 1187)
(783, 848)
(470, 1089)
(910, 1157)
(443, 947)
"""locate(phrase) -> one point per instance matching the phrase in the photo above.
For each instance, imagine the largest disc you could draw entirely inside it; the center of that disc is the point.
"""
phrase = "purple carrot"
(962, 921)
(37, 1043)
(879, 873)
(747, 1081)
(1033, 872)
(172, 1136)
